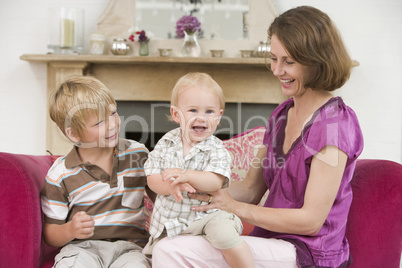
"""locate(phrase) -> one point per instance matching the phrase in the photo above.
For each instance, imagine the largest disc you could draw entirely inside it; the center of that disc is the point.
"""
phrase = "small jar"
(97, 44)
(120, 46)
(263, 49)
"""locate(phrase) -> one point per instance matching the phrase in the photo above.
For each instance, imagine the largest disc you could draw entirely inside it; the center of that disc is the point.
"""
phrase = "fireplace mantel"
(134, 78)
(137, 59)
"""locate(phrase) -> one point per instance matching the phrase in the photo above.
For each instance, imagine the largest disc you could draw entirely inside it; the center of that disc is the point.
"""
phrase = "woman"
(311, 146)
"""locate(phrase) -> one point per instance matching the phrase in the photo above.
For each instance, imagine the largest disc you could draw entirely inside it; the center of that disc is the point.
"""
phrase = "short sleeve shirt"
(209, 155)
(115, 202)
(287, 174)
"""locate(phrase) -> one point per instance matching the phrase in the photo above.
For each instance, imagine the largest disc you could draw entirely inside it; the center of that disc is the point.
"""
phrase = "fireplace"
(142, 87)
(147, 122)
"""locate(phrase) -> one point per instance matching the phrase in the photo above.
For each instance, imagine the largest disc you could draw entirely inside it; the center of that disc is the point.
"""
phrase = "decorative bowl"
(120, 47)
(217, 53)
(263, 49)
(164, 52)
(246, 53)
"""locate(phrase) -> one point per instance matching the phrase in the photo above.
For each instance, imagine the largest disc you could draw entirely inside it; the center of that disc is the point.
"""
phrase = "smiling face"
(292, 75)
(198, 112)
(101, 131)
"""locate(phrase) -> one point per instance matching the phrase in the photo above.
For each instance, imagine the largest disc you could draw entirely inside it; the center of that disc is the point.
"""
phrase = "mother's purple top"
(286, 176)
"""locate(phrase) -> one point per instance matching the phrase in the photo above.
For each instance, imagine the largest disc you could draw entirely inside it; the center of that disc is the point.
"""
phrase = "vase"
(190, 47)
(144, 50)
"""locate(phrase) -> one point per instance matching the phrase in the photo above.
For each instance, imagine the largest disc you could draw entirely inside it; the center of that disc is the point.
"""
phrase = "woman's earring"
(78, 144)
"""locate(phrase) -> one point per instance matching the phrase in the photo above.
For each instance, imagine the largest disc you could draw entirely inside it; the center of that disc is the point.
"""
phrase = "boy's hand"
(177, 189)
(82, 225)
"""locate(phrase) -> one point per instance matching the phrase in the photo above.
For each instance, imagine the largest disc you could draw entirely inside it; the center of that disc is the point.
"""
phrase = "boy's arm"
(203, 181)
(81, 227)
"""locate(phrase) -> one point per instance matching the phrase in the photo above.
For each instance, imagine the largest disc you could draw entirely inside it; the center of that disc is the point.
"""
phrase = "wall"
(372, 31)
(23, 28)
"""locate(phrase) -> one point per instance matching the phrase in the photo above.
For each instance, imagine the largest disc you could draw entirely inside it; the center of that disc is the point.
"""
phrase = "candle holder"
(66, 30)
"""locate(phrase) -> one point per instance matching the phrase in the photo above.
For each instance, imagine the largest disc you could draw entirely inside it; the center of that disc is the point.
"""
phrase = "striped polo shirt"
(115, 202)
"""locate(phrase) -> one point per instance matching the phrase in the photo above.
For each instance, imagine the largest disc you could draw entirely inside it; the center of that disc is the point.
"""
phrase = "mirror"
(220, 19)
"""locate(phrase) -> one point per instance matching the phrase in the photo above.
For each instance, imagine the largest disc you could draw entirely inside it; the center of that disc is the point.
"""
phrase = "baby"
(189, 159)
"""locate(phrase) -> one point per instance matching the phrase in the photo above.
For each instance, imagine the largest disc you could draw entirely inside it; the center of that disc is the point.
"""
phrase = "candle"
(67, 33)
(97, 43)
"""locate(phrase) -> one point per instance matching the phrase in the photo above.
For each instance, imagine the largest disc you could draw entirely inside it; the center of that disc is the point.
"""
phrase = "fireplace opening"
(155, 136)
(147, 122)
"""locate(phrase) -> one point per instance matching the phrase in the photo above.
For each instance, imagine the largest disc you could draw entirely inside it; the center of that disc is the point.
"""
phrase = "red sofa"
(374, 228)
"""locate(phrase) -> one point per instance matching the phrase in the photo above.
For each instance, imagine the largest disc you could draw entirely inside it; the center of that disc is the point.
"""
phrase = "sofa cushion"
(243, 148)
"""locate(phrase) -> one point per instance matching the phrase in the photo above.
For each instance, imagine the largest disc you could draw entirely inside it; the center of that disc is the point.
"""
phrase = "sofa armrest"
(374, 228)
(21, 179)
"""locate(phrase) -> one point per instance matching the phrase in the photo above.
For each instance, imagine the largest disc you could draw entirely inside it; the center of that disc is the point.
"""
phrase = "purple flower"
(142, 36)
(187, 24)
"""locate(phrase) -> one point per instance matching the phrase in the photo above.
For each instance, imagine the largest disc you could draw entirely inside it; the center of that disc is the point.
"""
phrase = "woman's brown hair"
(311, 39)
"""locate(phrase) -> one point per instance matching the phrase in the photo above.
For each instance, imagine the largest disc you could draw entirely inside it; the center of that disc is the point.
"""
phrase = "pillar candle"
(67, 33)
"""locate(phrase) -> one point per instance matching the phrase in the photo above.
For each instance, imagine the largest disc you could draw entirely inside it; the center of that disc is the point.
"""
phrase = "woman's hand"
(220, 199)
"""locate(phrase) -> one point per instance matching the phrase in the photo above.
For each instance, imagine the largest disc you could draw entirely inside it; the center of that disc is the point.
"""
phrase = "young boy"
(93, 198)
(189, 159)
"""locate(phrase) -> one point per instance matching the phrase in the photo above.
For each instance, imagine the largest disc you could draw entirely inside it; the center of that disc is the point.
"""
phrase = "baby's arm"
(159, 186)
(81, 227)
(203, 181)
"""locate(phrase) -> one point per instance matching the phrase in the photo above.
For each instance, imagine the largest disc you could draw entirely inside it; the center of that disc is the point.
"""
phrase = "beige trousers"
(98, 253)
(221, 229)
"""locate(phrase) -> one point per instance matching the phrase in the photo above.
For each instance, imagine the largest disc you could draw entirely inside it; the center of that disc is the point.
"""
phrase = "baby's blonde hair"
(202, 81)
(76, 99)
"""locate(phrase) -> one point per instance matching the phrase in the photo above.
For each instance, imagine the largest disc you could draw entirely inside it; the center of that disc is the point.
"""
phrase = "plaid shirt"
(209, 155)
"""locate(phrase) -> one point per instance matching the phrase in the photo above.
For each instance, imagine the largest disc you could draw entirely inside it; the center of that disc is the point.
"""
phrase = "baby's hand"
(171, 173)
(177, 189)
(177, 175)
(82, 225)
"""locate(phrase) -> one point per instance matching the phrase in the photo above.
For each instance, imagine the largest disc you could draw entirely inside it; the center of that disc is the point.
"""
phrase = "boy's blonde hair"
(202, 81)
(77, 98)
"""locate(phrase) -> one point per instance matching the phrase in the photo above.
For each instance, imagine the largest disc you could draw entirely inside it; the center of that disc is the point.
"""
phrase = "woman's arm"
(326, 173)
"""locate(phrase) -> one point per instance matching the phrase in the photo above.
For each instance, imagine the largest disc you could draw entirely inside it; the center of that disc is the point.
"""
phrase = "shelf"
(111, 59)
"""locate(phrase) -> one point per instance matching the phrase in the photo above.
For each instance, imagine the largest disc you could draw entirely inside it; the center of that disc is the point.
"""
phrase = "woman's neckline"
(306, 126)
